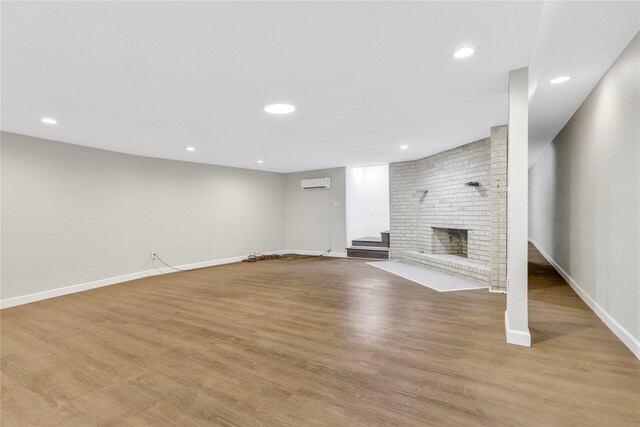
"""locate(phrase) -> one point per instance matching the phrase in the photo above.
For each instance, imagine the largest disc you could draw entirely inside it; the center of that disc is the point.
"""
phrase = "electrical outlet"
(154, 255)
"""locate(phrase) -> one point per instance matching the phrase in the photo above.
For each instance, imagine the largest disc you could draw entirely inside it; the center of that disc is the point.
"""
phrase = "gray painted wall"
(72, 214)
(312, 219)
(585, 194)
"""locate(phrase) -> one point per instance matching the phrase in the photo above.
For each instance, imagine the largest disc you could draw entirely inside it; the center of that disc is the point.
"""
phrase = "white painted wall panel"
(367, 201)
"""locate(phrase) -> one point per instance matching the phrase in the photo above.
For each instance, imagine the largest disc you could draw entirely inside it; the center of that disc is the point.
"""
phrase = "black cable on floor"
(283, 257)
(170, 266)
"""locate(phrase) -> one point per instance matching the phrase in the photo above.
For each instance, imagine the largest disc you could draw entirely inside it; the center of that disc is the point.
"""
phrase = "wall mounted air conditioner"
(310, 184)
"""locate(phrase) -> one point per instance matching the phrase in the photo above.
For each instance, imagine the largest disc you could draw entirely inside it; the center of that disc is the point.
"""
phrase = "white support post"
(516, 315)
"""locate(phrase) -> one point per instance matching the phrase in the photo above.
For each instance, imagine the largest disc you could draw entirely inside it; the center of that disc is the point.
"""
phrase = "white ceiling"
(579, 39)
(150, 78)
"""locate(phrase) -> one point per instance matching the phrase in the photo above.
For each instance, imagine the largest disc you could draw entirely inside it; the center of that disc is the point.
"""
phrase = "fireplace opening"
(450, 241)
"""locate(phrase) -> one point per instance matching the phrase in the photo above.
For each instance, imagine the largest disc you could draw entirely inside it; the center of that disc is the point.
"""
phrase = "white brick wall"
(448, 203)
(499, 208)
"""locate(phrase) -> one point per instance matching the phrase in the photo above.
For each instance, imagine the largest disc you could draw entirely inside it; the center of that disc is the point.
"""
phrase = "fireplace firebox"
(450, 241)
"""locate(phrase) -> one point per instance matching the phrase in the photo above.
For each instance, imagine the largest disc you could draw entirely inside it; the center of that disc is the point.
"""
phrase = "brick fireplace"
(447, 210)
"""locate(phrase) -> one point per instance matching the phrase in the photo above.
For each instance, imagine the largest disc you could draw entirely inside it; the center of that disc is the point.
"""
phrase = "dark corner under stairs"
(370, 247)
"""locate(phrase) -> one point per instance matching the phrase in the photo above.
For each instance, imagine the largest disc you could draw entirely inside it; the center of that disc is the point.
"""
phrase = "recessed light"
(404, 147)
(190, 148)
(464, 52)
(279, 108)
(260, 161)
(561, 79)
(49, 121)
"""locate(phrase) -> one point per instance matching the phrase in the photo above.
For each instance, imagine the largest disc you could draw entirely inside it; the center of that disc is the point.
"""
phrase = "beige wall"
(72, 214)
(585, 197)
(315, 220)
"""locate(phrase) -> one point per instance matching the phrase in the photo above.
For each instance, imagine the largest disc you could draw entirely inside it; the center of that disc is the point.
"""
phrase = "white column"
(516, 316)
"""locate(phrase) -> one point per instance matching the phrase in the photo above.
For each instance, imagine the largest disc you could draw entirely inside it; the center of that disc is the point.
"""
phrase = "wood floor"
(316, 341)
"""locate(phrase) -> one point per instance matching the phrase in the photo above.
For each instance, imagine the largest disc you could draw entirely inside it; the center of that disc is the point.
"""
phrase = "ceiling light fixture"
(260, 161)
(404, 147)
(561, 79)
(279, 108)
(49, 121)
(464, 52)
(190, 148)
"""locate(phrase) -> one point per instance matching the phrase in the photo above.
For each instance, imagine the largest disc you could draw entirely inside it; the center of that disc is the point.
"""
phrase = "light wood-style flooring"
(312, 342)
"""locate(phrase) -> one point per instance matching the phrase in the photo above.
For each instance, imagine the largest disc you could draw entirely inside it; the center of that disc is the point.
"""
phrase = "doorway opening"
(368, 212)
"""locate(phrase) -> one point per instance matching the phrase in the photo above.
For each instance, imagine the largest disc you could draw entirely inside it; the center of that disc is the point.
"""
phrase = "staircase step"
(386, 238)
(368, 241)
(368, 252)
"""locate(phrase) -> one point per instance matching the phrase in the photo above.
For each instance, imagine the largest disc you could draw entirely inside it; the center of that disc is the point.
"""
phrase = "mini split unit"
(314, 184)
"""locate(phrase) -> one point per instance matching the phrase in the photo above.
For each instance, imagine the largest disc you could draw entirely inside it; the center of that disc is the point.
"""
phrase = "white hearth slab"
(434, 279)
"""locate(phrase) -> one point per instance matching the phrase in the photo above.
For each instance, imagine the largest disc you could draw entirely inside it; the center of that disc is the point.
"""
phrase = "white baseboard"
(66, 290)
(516, 336)
(52, 293)
(624, 335)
